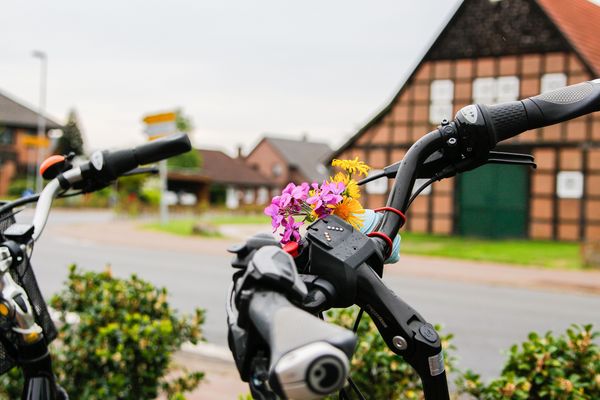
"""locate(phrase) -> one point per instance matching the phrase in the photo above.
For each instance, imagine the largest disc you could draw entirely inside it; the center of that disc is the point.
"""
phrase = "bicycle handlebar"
(510, 119)
(106, 166)
(112, 164)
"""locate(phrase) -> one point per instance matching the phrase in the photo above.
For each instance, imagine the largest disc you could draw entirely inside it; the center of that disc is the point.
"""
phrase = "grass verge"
(547, 254)
(555, 255)
(182, 227)
(234, 219)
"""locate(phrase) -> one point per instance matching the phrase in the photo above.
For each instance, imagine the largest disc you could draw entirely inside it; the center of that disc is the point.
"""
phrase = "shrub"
(18, 187)
(376, 370)
(545, 367)
(121, 347)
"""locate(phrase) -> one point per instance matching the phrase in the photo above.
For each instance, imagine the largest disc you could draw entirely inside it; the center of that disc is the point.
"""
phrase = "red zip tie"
(291, 248)
(395, 211)
(386, 238)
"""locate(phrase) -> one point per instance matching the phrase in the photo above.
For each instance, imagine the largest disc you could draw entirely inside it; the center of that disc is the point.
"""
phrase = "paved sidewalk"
(496, 274)
(221, 380)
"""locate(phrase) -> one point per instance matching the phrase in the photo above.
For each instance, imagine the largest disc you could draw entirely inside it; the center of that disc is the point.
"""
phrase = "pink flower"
(274, 211)
(325, 195)
(294, 201)
(301, 192)
(291, 230)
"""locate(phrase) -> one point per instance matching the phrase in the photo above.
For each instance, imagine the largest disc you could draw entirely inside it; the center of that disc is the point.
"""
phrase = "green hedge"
(122, 345)
(557, 367)
(548, 367)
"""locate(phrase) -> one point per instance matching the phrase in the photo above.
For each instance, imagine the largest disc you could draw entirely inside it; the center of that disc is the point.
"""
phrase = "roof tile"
(579, 20)
(13, 113)
(306, 156)
(220, 168)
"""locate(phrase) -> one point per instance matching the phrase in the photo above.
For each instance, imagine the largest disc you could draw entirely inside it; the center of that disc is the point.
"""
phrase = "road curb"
(208, 350)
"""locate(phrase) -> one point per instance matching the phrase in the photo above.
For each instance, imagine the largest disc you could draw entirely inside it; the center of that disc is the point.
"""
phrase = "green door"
(493, 201)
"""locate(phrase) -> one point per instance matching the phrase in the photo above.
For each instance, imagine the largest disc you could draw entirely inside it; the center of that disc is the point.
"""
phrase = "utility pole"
(41, 130)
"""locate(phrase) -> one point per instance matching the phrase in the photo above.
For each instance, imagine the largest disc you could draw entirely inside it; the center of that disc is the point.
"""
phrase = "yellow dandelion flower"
(350, 210)
(352, 166)
(352, 189)
(340, 177)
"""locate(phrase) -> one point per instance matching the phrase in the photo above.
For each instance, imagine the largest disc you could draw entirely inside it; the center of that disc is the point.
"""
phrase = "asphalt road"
(485, 319)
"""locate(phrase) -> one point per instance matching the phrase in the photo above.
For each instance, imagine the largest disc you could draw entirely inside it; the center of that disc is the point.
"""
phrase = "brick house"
(493, 51)
(288, 160)
(223, 181)
(18, 132)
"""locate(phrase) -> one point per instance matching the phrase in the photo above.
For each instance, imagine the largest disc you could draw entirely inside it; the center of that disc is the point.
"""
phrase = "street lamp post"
(41, 131)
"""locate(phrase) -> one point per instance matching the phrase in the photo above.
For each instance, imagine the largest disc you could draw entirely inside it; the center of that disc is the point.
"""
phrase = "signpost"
(34, 145)
(157, 126)
(35, 141)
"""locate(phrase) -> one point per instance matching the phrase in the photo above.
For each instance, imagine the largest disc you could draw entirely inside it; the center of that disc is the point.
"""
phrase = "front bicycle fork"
(36, 365)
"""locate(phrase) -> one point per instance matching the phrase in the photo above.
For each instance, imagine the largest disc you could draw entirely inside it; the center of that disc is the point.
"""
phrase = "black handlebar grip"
(112, 164)
(509, 119)
(308, 356)
(162, 148)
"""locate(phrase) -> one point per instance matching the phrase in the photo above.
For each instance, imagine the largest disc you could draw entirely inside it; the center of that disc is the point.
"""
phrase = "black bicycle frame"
(36, 364)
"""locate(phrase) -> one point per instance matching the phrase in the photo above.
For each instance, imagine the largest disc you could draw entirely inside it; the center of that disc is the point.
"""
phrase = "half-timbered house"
(493, 51)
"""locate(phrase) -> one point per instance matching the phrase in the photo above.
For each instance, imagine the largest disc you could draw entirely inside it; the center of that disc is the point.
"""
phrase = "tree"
(191, 159)
(183, 122)
(71, 139)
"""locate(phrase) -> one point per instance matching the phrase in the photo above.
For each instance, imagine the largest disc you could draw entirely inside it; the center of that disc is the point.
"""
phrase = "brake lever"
(426, 171)
(142, 170)
(498, 157)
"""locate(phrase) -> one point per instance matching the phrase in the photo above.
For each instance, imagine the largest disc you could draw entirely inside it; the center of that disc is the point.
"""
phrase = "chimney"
(305, 136)
(240, 155)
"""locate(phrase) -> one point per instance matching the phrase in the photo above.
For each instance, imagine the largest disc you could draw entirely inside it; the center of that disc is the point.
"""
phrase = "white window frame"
(248, 196)
(263, 195)
(492, 90)
(378, 186)
(441, 95)
(570, 184)
(553, 81)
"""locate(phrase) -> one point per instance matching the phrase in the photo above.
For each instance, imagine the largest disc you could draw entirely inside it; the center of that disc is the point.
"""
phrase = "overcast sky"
(239, 69)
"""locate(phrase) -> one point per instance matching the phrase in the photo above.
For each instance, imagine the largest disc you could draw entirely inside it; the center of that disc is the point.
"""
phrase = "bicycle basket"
(25, 277)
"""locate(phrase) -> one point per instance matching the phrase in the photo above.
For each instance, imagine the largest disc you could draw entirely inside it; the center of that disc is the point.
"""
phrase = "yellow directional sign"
(159, 125)
(158, 118)
(34, 141)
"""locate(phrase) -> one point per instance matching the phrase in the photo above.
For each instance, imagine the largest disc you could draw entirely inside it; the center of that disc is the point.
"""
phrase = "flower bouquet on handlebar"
(338, 196)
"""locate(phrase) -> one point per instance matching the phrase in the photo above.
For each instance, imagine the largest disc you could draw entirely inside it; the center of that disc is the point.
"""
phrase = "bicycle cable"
(342, 394)
(27, 200)
(419, 190)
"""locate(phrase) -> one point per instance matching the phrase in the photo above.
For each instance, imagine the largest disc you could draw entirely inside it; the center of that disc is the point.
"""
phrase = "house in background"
(222, 181)
(491, 52)
(288, 160)
(18, 139)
